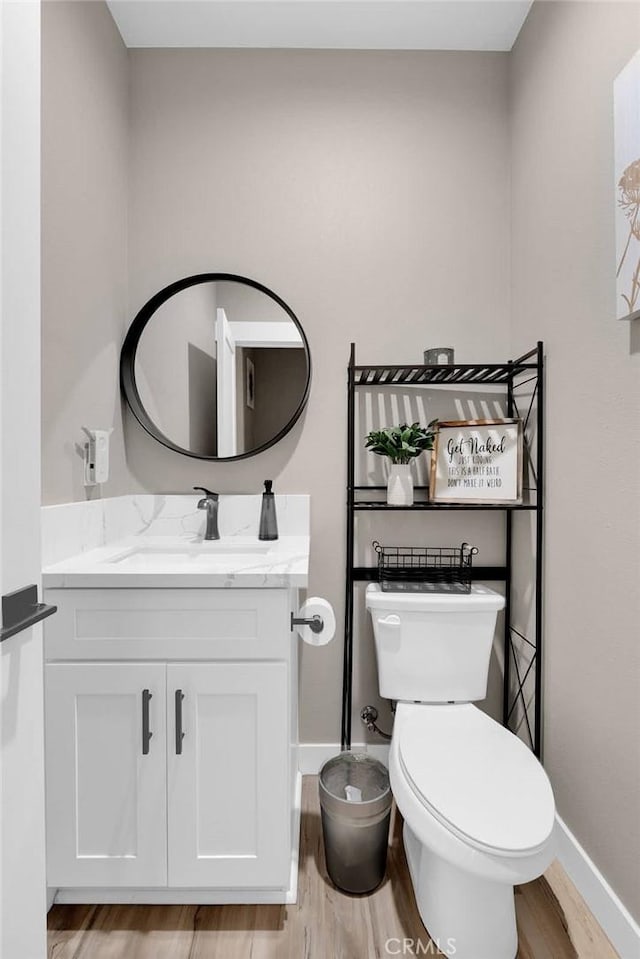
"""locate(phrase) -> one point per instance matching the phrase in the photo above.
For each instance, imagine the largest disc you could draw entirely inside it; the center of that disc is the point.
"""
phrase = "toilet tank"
(433, 647)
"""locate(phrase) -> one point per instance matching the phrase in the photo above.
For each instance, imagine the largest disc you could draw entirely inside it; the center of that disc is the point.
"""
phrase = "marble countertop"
(185, 561)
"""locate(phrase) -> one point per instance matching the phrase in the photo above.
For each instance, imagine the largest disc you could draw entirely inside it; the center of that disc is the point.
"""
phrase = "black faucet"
(209, 502)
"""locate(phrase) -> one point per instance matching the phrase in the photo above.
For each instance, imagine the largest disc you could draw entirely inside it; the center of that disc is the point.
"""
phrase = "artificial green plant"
(402, 443)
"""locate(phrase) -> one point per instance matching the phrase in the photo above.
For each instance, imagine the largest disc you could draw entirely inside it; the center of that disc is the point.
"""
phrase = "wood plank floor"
(323, 924)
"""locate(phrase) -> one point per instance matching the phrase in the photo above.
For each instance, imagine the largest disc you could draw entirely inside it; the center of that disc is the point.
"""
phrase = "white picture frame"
(477, 462)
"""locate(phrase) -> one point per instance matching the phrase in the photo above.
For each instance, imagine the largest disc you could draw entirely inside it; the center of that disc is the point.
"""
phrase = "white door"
(228, 774)
(22, 852)
(226, 388)
(106, 776)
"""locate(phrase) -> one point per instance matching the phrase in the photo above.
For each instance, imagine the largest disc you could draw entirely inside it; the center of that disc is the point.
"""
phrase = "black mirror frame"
(128, 383)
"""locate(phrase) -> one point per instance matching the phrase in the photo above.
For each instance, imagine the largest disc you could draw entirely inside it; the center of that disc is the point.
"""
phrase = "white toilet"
(477, 805)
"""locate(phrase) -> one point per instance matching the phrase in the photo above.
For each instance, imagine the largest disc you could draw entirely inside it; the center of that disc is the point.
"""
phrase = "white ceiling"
(322, 24)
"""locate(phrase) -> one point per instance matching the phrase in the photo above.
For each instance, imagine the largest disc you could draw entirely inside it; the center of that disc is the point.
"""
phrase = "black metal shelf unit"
(522, 380)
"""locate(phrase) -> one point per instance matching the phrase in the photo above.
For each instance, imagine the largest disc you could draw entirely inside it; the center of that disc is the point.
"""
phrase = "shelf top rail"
(534, 353)
(460, 373)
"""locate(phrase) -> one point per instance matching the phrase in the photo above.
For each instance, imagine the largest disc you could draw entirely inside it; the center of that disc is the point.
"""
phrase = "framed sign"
(477, 461)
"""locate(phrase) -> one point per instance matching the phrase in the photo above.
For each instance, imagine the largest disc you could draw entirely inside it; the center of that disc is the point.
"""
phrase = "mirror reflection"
(221, 369)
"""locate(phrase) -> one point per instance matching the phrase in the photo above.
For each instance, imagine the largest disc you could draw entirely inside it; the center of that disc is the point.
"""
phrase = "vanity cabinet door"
(228, 774)
(106, 774)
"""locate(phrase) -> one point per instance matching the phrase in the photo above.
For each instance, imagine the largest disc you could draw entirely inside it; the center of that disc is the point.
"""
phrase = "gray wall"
(85, 148)
(561, 83)
(370, 191)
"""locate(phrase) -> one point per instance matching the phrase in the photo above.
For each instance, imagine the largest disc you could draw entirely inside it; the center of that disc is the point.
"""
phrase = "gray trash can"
(355, 804)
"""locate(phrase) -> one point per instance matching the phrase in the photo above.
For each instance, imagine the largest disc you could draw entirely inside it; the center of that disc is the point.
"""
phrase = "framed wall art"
(477, 461)
(626, 97)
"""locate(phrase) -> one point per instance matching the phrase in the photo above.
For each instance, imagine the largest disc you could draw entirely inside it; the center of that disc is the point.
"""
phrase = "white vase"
(400, 485)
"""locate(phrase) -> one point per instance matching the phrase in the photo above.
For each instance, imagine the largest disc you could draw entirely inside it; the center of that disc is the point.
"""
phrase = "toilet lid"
(477, 778)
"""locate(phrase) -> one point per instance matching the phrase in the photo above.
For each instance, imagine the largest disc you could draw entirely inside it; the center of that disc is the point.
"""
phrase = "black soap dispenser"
(268, 520)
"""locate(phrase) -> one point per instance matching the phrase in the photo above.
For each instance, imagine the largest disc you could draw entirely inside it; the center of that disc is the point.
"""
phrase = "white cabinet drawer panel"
(165, 623)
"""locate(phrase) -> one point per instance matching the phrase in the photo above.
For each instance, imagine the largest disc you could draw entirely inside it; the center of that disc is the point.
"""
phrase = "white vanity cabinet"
(171, 738)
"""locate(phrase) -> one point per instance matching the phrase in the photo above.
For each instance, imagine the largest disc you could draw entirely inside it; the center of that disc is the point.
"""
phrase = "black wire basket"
(425, 569)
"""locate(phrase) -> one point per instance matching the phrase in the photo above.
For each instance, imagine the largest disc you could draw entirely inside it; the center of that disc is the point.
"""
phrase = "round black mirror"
(216, 366)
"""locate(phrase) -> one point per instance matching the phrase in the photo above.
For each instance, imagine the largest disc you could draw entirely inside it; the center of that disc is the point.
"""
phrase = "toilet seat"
(476, 778)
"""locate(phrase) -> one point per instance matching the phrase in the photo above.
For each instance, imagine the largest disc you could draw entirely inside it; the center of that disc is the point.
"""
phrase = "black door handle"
(146, 732)
(20, 610)
(179, 732)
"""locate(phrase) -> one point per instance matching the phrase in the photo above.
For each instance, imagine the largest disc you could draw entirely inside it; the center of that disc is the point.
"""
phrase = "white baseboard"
(174, 897)
(616, 920)
(312, 756)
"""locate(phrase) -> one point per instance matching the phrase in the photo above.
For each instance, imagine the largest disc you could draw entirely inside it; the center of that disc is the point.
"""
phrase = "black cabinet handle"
(146, 732)
(179, 732)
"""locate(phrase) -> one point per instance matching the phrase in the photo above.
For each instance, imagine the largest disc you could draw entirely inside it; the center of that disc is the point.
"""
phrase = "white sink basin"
(197, 551)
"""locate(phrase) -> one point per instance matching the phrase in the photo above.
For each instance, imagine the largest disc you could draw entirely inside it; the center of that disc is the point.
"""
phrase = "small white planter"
(400, 485)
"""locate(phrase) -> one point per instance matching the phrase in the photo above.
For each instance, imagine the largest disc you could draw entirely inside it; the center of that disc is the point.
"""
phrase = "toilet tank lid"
(480, 598)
